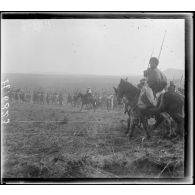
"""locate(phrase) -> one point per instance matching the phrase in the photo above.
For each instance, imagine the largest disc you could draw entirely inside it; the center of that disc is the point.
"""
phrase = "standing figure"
(60, 99)
(89, 91)
(47, 97)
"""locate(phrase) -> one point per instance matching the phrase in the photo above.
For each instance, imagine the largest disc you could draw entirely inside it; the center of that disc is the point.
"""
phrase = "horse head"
(79, 94)
(126, 89)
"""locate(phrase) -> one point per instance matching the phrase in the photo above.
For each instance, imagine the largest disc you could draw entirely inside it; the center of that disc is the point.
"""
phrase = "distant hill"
(81, 82)
(173, 73)
(62, 82)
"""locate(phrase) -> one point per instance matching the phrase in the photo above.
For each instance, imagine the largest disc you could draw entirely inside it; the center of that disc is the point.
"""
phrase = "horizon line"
(81, 74)
(72, 74)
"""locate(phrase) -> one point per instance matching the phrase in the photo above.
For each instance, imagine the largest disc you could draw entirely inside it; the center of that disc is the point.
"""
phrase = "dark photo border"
(188, 157)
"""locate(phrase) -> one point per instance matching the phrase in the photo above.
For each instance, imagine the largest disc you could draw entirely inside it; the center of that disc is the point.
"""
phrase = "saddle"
(146, 101)
(89, 96)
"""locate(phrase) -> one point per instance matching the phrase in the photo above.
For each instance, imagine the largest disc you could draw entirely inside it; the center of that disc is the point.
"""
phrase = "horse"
(48, 98)
(181, 90)
(21, 96)
(60, 99)
(27, 96)
(75, 100)
(87, 99)
(169, 102)
(17, 95)
(99, 101)
(69, 99)
(103, 101)
(126, 105)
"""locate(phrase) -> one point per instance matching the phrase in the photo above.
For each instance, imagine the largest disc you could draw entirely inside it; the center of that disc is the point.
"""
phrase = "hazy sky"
(90, 46)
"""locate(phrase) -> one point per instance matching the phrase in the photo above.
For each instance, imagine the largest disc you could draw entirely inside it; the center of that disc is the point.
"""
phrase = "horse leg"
(94, 107)
(136, 123)
(88, 106)
(145, 126)
(180, 124)
(169, 127)
(91, 106)
(81, 107)
(131, 124)
(125, 109)
(132, 129)
(107, 105)
(159, 119)
(128, 126)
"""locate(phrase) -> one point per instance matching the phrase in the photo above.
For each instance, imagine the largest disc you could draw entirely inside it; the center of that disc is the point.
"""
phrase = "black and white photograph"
(96, 97)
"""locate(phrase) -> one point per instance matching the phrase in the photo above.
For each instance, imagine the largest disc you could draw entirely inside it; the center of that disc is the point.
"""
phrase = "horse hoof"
(148, 137)
(130, 138)
(126, 132)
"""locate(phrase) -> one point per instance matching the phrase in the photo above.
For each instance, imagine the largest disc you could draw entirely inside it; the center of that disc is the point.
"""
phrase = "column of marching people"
(18, 95)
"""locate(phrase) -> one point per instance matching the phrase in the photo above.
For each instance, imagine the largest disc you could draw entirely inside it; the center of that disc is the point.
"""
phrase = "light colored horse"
(110, 102)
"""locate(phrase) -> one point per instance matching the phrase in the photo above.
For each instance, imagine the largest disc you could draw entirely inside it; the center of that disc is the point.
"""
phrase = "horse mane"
(129, 89)
(129, 85)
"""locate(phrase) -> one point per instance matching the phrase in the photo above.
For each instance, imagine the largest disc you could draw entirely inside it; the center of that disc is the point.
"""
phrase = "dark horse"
(69, 99)
(169, 102)
(75, 100)
(87, 99)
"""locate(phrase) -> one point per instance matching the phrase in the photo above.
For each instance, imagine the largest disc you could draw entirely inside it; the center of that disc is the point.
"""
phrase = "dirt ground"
(49, 141)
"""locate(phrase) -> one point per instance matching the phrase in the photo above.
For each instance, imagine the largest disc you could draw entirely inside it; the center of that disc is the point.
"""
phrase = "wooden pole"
(161, 46)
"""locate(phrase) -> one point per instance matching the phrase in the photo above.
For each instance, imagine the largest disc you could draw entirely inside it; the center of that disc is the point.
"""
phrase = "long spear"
(162, 45)
(160, 49)
(181, 79)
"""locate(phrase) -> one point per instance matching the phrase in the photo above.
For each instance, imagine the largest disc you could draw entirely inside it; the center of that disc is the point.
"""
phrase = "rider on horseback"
(172, 87)
(89, 92)
(154, 84)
